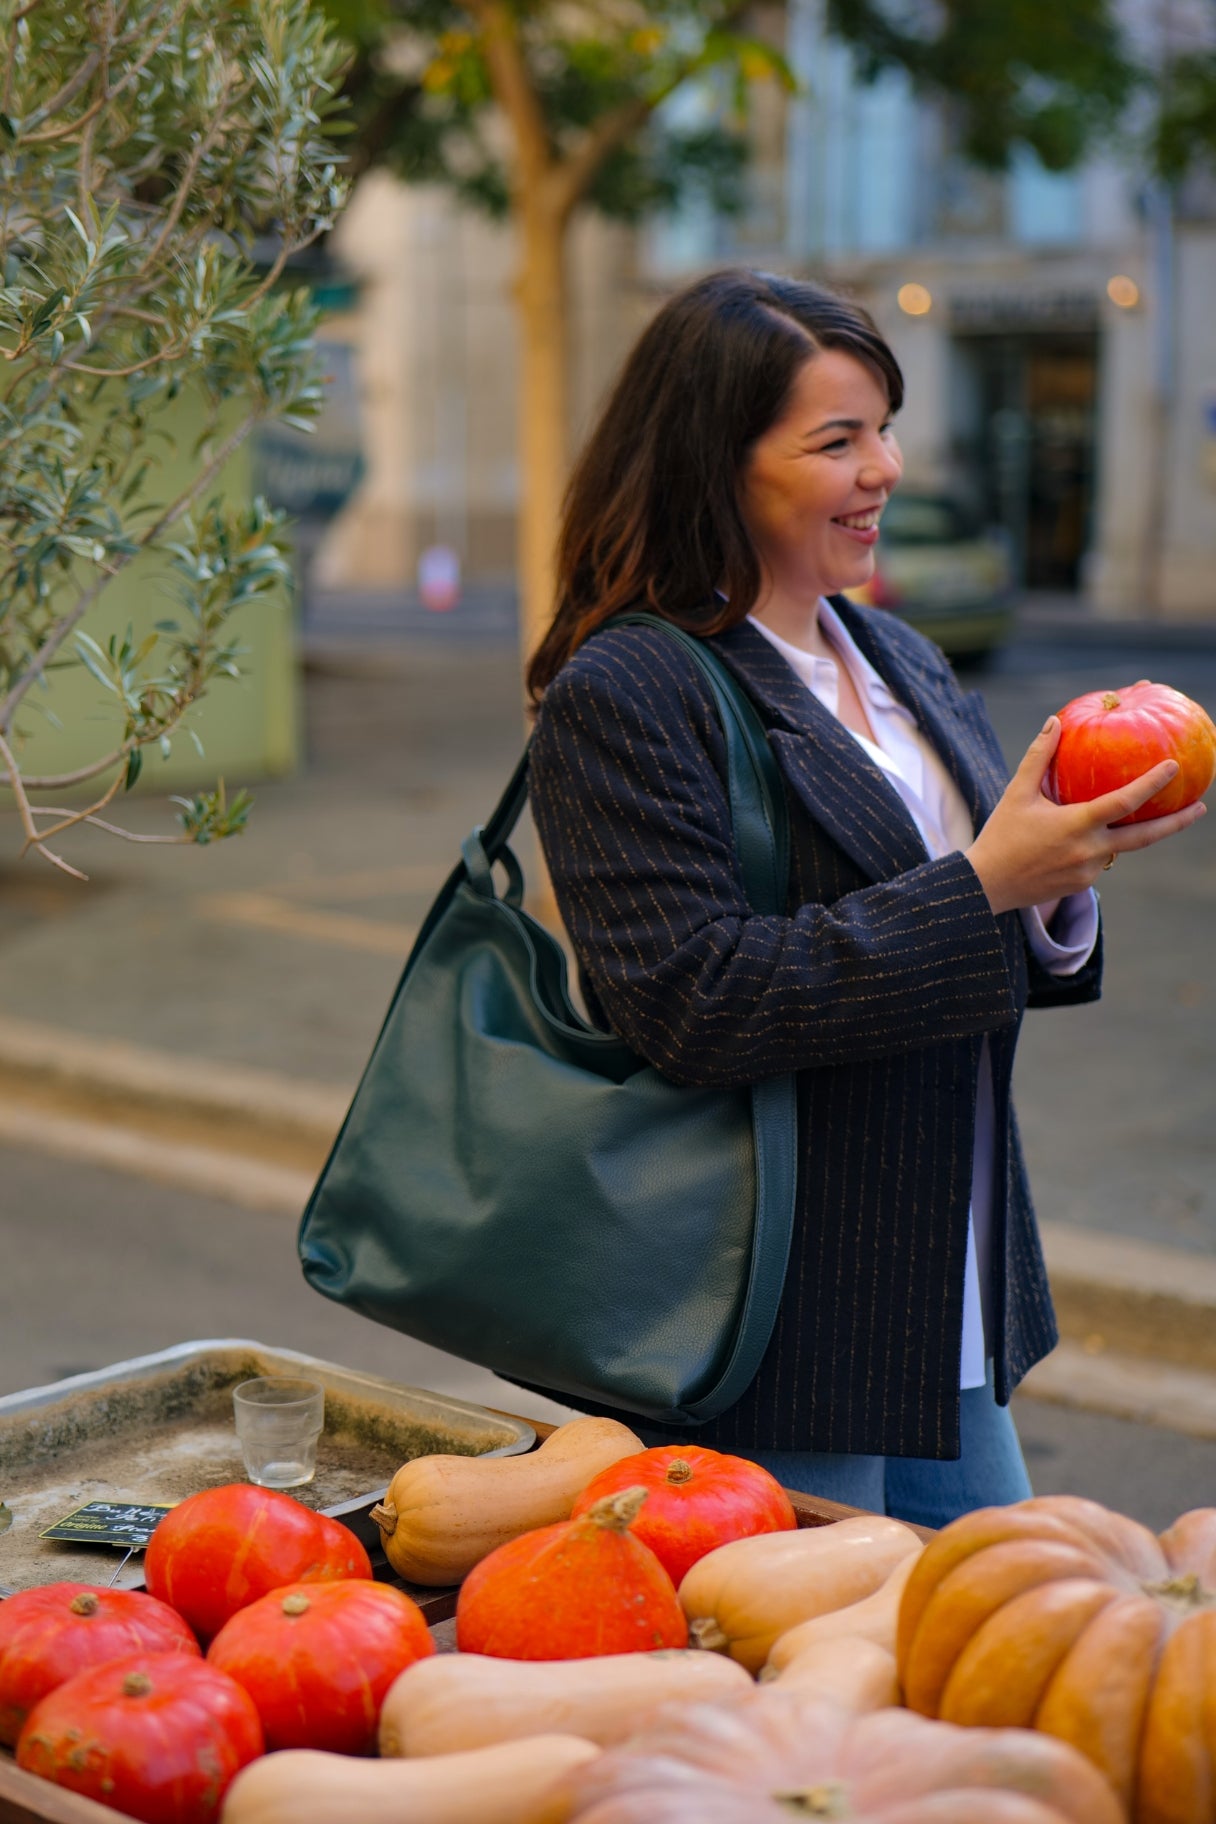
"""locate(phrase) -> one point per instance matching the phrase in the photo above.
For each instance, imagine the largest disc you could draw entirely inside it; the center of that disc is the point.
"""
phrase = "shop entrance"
(1024, 439)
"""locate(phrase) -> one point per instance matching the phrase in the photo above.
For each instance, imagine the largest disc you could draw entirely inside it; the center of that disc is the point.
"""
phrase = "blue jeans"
(989, 1473)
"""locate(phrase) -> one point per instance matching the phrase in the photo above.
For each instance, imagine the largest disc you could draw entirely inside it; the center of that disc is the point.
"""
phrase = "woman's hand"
(1032, 851)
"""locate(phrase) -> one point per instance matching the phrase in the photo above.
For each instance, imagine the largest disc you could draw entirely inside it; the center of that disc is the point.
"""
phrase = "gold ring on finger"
(1107, 865)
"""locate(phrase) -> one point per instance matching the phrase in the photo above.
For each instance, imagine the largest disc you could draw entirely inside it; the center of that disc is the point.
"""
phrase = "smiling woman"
(735, 487)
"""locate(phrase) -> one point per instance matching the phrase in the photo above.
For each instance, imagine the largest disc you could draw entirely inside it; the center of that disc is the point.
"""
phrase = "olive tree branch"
(26, 815)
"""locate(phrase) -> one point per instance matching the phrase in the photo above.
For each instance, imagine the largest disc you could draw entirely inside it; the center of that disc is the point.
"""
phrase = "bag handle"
(759, 823)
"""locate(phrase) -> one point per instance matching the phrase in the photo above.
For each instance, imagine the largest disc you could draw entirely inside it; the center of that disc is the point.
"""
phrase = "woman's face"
(815, 483)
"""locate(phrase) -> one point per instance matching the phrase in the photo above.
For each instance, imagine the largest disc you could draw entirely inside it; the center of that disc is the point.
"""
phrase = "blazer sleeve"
(634, 822)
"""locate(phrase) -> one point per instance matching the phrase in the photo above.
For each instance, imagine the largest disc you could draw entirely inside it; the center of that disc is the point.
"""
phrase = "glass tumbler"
(278, 1422)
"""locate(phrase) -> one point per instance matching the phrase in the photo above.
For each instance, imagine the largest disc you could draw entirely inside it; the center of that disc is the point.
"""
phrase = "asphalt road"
(100, 1267)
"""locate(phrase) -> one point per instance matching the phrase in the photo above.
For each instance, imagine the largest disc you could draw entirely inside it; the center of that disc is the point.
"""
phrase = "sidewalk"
(202, 1016)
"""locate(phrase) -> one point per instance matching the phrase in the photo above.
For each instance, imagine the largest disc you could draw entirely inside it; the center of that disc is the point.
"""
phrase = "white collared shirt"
(916, 771)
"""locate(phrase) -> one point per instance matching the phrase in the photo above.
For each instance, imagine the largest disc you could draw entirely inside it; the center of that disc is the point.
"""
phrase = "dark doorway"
(1024, 437)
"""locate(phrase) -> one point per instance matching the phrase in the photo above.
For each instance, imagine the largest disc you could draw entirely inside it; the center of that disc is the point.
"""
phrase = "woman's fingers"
(1032, 770)
(1133, 836)
(1112, 807)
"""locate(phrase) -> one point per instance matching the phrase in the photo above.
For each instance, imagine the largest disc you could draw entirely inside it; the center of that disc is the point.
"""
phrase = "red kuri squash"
(318, 1659)
(570, 1591)
(1109, 737)
(50, 1633)
(159, 1736)
(224, 1547)
(697, 1499)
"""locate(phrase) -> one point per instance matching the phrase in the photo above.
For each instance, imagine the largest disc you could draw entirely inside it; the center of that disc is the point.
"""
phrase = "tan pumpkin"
(467, 1700)
(507, 1784)
(1060, 1615)
(442, 1515)
(856, 1673)
(769, 1759)
(740, 1598)
(875, 1618)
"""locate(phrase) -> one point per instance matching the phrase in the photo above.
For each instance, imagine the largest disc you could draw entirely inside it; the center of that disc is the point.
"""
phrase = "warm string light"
(1123, 291)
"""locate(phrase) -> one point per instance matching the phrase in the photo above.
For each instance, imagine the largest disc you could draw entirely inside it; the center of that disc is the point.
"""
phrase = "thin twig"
(69, 819)
(113, 829)
(26, 816)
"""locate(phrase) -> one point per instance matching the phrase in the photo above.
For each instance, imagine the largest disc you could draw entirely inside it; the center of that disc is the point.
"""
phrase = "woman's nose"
(883, 467)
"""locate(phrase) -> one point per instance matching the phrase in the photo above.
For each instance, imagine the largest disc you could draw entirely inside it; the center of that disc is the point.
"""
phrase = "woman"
(735, 485)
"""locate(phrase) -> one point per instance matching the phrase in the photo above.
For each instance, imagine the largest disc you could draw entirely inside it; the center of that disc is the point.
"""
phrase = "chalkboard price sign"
(129, 1524)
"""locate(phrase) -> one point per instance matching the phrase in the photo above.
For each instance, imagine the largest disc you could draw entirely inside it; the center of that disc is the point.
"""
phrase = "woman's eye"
(838, 443)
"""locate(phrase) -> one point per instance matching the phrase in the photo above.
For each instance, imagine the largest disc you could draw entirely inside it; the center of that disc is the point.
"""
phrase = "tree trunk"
(543, 435)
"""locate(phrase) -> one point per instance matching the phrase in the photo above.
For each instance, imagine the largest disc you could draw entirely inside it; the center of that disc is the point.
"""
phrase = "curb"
(258, 1138)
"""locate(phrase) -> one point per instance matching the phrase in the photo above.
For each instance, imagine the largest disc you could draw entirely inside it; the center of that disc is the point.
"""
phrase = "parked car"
(944, 572)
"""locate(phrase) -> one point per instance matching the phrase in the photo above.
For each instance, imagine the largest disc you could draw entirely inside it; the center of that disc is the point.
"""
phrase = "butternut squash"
(467, 1700)
(740, 1598)
(506, 1784)
(848, 1670)
(442, 1515)
(874, 1618)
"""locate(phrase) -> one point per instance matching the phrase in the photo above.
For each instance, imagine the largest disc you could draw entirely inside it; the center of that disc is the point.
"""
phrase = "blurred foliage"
(420, 92)
(1046, 74)
(148, 150)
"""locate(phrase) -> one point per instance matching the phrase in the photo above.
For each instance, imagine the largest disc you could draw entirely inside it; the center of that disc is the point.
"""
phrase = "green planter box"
(249, 727)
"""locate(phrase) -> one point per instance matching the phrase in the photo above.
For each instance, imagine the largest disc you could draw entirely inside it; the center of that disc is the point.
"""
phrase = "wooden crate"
(26, 1800)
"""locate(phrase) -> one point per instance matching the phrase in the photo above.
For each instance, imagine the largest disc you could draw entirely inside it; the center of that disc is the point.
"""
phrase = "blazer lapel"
(826, 769)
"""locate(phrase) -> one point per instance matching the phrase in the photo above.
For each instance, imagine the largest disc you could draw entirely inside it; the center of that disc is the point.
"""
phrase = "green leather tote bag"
(521, 1189)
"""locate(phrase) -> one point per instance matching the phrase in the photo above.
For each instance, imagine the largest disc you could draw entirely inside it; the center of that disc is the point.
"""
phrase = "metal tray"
(158, 1427)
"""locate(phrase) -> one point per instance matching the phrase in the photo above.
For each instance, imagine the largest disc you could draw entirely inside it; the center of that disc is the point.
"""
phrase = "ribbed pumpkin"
(769, 1759)
(1060, 1615)
(571, 1591)
(698, 1500)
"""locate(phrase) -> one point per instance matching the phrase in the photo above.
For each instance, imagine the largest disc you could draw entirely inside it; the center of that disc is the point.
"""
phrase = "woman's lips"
(864, 535)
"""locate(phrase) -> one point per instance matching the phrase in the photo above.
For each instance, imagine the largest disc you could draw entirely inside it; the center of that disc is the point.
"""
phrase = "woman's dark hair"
(652, 514)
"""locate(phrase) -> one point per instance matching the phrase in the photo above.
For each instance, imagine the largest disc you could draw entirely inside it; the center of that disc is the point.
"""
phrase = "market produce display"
(50, 1633)
(1059, 1615)
(318, 1660)
(569, 1591)
(696, 1500)
(1109, 737)
(766, 1759)
(159, 1736)
(442, 1514)
(1061, 1657)
(223, 1548)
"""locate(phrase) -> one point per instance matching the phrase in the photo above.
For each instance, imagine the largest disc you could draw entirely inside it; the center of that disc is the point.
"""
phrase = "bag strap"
(760, 827)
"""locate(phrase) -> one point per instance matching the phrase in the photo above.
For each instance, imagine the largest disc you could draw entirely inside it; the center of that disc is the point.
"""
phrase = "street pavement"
(266, 963)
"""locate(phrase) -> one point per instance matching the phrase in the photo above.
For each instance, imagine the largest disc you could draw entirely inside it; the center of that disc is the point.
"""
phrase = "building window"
(1044, 207)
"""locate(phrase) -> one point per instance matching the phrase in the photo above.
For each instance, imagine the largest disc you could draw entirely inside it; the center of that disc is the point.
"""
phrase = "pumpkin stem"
(295, 1604)
(679, 1471)
(136, 1684)
(385, 1516)
(708, 1635)
(618, 1512)
(1183, 1592)
(827, 1801)
(84, 1604)
(1110, 699)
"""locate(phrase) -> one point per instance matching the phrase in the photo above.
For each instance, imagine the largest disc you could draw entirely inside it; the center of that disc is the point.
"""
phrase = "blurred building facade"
(1056, 332)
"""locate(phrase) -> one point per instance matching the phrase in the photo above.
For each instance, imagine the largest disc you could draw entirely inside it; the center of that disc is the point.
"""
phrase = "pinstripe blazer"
(878, 989)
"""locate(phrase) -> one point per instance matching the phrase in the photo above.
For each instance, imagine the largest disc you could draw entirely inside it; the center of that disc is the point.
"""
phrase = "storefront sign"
(1012, 310)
